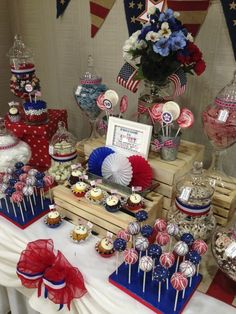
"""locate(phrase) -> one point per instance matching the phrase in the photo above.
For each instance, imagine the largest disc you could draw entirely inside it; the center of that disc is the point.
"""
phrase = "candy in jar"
(192, 211)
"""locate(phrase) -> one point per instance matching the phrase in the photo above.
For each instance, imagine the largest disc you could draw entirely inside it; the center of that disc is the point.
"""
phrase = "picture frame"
(129, 137)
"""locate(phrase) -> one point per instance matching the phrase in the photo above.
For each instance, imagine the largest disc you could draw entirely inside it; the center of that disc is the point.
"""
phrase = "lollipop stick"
(21, 211)
(129, 273)
(14, 209)
(34, 198)
(198, 266)
(133, 238)
(190, 281)
(167, 283)
(117, 262)
(154, 263)
(159, 291)
(176, 299)
(24, 205)
(50, 195)
(177, 264)
(30, 97)
(140, 255)
(177, 132)
(31, 205)
(183, 293)
(2, 203)
(6, 205)
(144, 280)
(170, 243)
(41, 197)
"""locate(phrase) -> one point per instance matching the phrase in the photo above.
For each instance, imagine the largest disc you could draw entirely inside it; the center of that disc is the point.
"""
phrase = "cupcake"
(14, 114)
(112, 203)
(75, 176)
(105, 247)
(134, 202)
(79, 189)
(80, 232)
(53, 218)
(96, 194)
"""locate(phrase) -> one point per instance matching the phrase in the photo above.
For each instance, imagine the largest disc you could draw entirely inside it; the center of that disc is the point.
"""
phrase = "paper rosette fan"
(142, 172)
(117, 169)
(96, 159)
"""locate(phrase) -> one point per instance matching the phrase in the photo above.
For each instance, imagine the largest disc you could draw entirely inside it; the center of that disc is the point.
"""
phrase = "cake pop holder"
(150, 297)
(29, 218)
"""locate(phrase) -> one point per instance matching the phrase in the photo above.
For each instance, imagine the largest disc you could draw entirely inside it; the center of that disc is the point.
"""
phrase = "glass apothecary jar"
(224, 248)
(192, 209)
(62, 150)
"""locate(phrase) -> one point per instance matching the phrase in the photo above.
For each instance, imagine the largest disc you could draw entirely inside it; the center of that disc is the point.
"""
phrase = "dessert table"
(102, 297)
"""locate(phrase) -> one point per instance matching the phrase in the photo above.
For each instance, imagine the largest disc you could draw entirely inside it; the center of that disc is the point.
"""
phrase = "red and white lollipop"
(160, 225)
(201, 247)
(167, 260)
(185, 120)
(179, 282)
(123, 234)
(181, 249)
(130, 257)
(162, 238)
(188, 269)
(123, 105)
(156, 112)
(146, 265)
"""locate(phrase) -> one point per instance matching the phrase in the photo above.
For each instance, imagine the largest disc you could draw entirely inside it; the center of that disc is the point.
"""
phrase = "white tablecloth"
(102, 297)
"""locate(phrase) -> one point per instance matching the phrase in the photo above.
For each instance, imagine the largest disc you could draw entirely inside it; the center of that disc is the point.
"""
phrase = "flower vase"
(153, 93)
(169, 145)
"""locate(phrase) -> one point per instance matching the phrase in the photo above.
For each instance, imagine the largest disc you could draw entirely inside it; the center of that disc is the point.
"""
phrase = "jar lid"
(226, 98)
(90, 77)
(19, 49)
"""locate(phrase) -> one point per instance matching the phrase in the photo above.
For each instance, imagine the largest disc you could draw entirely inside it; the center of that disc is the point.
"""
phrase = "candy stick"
(198, 266)
(177, 132)
(177, 264)
(31, 205)
(129, 273)
(13, 206)
(21, 211)
(6, 204)
(41, 198)
(183, 293)
(24, 205)
(144, 280)
(159, 291)
(140, 255)
(117, 262)
(176, 299)
(190, 281)
(167, 283)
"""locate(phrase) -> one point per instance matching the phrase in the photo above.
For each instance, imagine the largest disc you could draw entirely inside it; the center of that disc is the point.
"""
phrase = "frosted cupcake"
(80, 232)
(134, 202)
(53, 218)
(105, 247)
(112, 203)
(79, 189)
(75, 176)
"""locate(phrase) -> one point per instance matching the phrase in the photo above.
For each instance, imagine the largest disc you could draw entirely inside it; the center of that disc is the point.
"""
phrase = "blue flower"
(144, 31)
(177, 41)
(162, 47)
(175, 25)
(168, 14)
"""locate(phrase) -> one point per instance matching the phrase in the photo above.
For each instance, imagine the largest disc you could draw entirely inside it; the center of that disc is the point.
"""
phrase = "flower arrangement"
(161, 47)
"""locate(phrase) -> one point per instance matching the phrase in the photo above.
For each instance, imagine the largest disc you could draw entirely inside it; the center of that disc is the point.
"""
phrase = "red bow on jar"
(38, 265)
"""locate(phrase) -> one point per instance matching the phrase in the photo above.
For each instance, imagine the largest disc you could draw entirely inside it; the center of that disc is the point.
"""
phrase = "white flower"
(190, 37)
(127, 56)
(133, 38)
(176, 14)
(152, 36)
(141, 44)
(164, 31)
(152, 10)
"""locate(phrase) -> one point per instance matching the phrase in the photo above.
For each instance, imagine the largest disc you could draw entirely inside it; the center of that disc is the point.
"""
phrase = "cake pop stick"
(28, 190)
(130, 257)
(9, 191)
(17, 197)
(146, 265)
(40, 185)
(181, 249)
(146, 231)
(160, 274)
(195, 258)
(188, 269)
(141, 244)
(179, 282)
(119, 246)
(3, 188)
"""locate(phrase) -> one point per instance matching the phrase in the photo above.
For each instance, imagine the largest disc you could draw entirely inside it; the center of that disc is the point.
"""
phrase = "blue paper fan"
(96, 159)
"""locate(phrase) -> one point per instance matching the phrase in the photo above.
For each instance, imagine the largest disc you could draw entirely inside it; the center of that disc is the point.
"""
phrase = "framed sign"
(128, 137)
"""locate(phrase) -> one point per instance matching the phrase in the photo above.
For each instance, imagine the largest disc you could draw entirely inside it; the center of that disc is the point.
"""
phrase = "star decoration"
(234, 22)
(140, 5)
(133, 19)
(232, 6)
(149, 4)
(131, 4)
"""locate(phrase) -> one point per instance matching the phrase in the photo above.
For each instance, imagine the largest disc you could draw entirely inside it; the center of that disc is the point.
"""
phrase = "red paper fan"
(142, 172)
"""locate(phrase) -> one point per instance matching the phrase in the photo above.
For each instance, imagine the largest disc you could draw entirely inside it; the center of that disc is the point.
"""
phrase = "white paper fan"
(117, 168)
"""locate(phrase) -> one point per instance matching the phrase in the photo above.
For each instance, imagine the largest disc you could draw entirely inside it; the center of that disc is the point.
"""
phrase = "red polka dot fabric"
(38, 136)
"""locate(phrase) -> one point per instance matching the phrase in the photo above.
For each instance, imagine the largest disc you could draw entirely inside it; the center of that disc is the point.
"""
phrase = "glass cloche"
(62, 150)
(219, 121)
(224, 248)
(192, 209)
(12, 149)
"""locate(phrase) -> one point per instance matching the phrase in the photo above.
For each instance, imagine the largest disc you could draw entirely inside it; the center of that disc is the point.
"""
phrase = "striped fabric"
(192, 13)
(99, 10)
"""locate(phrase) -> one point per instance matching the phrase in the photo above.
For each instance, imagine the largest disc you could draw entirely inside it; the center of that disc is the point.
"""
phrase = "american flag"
(179, 80)
(126, 77)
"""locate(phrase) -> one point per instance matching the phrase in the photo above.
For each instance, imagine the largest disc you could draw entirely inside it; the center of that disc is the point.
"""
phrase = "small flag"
(179, 80)
(126, 77)
(229, 7)
(99, 10)
(61, 6)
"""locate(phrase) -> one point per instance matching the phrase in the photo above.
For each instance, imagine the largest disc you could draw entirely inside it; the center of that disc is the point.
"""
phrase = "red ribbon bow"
(168, 143)
(38, 265)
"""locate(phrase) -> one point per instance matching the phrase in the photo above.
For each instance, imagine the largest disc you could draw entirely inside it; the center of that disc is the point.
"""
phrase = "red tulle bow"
(38, 265)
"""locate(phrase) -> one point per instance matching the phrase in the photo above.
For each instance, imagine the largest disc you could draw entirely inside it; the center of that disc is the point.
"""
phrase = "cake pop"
(172, 230)
(19, 165)
(179, 282)
(141, 244)
(201, 248)
(181, 249)
(119, 246)
(146, 265)
(123, 234)
(167, 259)
(133, 229)
(28, 191)
(17, 197)
(160, 274)
(187, 238)
(130, 257)
(162, 238)
(146, 231)
(188, 269)
(160, 225)
(23, 177)
(141, 216)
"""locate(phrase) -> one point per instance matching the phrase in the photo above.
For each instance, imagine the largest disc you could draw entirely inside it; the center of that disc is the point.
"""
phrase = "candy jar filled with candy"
(224, 248)
(192, 209)
(12, 149)
(62, 150)
(22, 69)
(219, 121)
(86, 94)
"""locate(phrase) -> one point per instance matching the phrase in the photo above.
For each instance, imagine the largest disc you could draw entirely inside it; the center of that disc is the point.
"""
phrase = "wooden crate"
(74, 208)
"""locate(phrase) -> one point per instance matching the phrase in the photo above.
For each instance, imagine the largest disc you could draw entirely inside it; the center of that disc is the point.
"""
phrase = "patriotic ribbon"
(142, 109)
(22, 71)
(225, 104)
(192, 210)
(158, 145)
(9, 146)
(64, 158)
